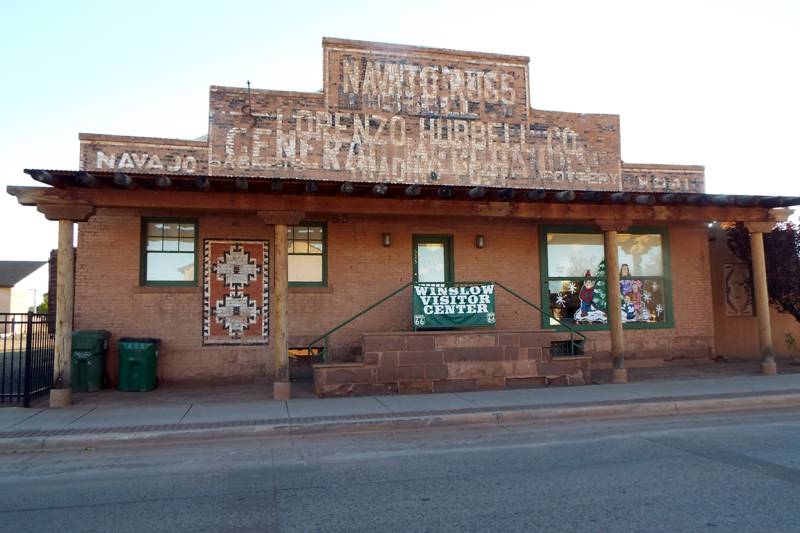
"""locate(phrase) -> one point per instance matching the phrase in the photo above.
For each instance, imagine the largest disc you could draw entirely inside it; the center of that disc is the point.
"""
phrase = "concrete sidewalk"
(103, 418)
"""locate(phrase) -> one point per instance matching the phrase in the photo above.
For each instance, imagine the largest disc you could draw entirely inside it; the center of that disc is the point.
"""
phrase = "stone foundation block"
(490, 383)
(432, 357)
(455, 385)
(415, 387)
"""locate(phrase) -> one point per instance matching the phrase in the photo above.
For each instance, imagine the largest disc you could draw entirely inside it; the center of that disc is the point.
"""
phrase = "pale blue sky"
(713, 83)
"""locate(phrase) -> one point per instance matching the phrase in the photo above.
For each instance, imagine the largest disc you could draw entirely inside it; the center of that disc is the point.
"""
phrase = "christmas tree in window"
(592, 297)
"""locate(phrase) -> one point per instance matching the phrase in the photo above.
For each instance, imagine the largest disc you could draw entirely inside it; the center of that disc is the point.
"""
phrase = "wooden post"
(61, 393)
(619, 374)
(761, 295)
(281, 387)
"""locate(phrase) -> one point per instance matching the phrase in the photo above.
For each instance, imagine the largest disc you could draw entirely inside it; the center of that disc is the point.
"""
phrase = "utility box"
(89, 348)
(138, 358)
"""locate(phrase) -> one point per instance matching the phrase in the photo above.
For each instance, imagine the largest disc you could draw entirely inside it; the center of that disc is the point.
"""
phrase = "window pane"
(170, 267)
(430, 263)
(171, 229)
(186, 245)
(315, 247)
(187, 231)
(578, 301)
(640, 255)
(155, 229)
(300, 247)
(291, 232)
(305, 268)
(573, 254)
(315, 233)
(154, 244)
(643, 300)
(170, 244)
(301, 232)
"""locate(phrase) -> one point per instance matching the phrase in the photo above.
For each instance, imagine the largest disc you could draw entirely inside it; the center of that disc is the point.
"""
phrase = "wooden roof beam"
(187, 201)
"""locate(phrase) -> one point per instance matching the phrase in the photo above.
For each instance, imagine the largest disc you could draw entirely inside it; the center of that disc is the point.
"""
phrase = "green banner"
(453, 305)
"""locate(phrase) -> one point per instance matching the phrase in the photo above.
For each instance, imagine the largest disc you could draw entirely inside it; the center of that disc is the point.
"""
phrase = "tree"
(600, 292)
(782, 251)
(43, 307)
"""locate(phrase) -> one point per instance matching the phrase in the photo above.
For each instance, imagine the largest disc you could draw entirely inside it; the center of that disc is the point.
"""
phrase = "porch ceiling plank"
(231, 201)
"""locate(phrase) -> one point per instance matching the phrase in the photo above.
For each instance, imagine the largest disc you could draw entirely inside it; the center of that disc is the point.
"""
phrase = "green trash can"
(88, 359)
(137, 364)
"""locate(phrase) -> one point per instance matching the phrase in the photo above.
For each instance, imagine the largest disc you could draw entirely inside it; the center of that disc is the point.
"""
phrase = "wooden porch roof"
(240, 193)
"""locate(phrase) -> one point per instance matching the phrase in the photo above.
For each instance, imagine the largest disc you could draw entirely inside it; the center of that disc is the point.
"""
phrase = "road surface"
(733, 472)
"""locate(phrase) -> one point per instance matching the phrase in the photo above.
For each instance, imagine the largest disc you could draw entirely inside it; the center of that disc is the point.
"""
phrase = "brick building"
(415, 170)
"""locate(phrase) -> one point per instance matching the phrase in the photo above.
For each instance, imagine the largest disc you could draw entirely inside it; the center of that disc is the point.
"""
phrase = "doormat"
(235, 292)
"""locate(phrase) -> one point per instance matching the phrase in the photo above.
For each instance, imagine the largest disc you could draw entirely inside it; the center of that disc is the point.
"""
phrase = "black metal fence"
(26, 360)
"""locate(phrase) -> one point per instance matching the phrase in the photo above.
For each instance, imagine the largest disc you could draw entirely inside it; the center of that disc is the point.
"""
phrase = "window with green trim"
(575, 278)
(308, 254)
(169, 252)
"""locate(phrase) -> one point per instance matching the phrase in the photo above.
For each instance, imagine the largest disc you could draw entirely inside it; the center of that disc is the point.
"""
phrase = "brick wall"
(360, 272)
(737, 336)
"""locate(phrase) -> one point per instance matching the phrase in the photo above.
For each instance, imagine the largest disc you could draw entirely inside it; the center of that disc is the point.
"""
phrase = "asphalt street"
(731, 472)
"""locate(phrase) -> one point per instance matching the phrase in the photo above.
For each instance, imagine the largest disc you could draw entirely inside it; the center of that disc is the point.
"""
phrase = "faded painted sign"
(143, 155)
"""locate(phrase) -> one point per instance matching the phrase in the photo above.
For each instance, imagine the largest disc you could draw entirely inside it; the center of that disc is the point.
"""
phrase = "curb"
(497, 416)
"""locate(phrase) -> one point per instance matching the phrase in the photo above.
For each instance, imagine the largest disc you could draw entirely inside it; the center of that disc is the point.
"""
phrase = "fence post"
(26, 398)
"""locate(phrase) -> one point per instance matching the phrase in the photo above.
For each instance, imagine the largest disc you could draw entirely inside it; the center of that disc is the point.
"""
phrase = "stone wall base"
(410, 363)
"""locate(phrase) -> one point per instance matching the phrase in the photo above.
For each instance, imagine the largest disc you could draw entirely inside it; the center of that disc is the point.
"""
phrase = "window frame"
(449, 256)
(317, 224)
(665, 279)
(143, 281)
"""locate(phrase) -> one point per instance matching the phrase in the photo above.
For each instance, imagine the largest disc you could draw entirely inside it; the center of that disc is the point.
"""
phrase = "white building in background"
(23, 285)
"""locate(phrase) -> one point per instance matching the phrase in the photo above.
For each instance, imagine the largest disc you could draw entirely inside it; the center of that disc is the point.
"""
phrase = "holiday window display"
(585, 302)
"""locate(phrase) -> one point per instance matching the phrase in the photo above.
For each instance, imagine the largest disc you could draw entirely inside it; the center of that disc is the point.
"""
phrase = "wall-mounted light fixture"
(479, 241)
(387, 239)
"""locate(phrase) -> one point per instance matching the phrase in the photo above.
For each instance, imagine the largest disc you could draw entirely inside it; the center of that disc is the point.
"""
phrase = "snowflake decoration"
(572, 287)
(647, 296)
(659, 309)
(654, 285)
(560, 300)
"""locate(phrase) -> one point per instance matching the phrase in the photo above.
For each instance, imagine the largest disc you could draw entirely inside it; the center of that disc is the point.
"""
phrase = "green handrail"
(324, 336)
(343, 324)
(572, 331)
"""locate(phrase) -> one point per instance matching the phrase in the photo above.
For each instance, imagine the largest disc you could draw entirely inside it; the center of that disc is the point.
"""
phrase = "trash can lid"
(92, 333)
(140, 339)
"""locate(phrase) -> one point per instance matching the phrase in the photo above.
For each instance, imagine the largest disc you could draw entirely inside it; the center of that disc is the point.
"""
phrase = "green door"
(433, 258)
